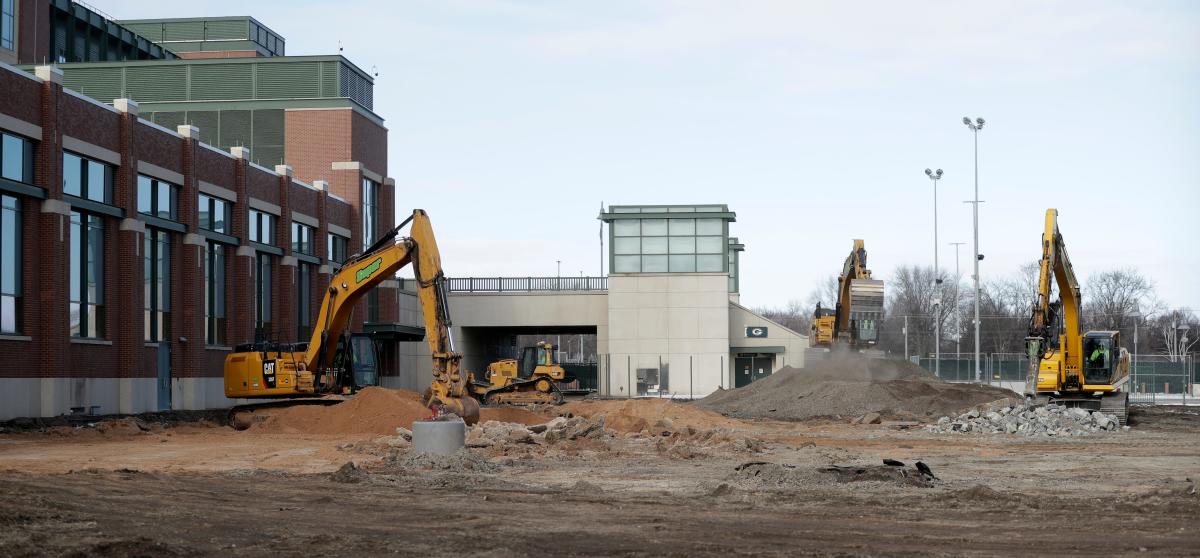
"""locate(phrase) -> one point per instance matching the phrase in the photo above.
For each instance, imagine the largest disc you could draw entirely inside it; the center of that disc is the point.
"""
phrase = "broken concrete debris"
(1029, 420)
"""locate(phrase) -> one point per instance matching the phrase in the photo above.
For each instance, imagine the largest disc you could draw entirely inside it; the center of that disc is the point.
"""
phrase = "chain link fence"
(1153, 379)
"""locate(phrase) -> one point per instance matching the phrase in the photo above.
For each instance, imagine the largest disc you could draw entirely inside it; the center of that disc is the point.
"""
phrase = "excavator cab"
(1100, 356)
(533, 357)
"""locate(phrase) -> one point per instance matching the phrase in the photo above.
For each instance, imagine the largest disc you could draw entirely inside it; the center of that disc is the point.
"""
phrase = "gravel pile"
(1045, 421)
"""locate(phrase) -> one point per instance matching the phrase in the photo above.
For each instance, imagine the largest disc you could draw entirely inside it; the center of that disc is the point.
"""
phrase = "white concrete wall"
(741, 317)
(680, 320)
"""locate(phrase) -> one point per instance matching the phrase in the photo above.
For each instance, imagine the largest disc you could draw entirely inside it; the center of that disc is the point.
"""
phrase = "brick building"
(135, 253)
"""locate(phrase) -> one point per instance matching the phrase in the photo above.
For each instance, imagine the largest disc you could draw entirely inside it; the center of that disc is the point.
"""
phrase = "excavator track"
(513, 394)
(1116, 404)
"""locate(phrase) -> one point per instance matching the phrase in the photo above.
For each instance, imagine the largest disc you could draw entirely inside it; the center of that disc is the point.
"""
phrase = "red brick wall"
(88, 122)
(262, 185)
(304, 200)
(158, 147)
(22, 98)
(368, 144)
(215, 168)
(315, 139)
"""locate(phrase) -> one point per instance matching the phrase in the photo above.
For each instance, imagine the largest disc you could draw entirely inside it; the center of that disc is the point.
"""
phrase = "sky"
(512, 121)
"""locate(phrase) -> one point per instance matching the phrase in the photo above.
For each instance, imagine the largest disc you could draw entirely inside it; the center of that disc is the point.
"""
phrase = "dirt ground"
(710, 486)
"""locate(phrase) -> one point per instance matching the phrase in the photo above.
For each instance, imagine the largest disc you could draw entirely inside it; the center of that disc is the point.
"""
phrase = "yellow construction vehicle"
(1072, 368)
(853, 322)
(268, 370)
(531, 378)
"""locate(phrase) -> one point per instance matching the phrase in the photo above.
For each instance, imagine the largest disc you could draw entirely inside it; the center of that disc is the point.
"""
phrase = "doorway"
(751, 367)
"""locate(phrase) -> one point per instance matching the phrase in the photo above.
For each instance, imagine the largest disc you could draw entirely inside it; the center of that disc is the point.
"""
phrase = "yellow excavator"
(532, 378)
(270, 370)
(853, 322)
(1074, 368)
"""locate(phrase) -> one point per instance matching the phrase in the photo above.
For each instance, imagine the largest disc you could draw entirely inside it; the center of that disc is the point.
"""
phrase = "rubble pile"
(1028, 420)
(494, 433)
(689, 443)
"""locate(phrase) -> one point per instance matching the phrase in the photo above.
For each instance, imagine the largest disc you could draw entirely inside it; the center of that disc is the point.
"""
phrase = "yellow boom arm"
(379, 262)
(1057, 266)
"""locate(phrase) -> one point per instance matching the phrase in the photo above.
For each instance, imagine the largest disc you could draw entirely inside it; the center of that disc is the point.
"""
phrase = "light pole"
(1137, 313)
(975, 127)
(559, 272)
(937, 282)
(957, 315)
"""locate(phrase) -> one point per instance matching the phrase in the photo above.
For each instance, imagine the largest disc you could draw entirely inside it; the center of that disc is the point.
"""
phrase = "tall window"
(303, 306)
(373, 305)
(215, 214)
(16, 158)
(337, 247)
(10, 264)
(262, 227)
(370, 205)
(156, 198)
(87, 275)
(8, 18)
(262, 295)
(214, 293)
(302, 238)
(157, 281)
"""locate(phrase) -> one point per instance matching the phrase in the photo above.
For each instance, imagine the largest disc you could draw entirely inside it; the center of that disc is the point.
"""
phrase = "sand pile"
(374, 410)
(852, 387)
(638, 415)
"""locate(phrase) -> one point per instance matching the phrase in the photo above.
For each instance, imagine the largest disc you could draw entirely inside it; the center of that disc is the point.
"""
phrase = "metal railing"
(525, 284)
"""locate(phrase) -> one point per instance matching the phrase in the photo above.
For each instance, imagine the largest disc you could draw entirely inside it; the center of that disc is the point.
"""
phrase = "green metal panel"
(167, 119)
(268, 127)
(104, 84)
(287, 81)
(207, 121)
(151, 31)
(212, 82)
(161, 83)
(183, 31)
(228, 29)
(329, 78)
(235, 129)
(267, 156)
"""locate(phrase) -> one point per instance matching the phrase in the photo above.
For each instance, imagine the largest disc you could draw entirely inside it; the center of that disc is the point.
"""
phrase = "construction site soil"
(629, 477)
(851, 387)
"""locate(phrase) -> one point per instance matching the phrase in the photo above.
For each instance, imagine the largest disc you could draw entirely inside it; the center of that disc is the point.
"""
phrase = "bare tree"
(793, 315)
(824, 292)
(1113, 296)
(1176, 333)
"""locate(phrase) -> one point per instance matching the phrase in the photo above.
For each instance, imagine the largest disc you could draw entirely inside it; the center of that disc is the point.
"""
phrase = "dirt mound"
(638, 415)
(373, 410)
(852, 387)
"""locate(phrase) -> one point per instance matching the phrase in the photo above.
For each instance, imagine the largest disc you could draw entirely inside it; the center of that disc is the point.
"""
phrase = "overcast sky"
(814, 121)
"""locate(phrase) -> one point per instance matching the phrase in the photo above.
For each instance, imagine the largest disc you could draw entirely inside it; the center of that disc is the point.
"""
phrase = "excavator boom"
(858, 309)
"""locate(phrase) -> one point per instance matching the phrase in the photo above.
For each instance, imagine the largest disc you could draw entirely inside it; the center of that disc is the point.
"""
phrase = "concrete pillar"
(239, 297)
(129, 334)
(49, 326)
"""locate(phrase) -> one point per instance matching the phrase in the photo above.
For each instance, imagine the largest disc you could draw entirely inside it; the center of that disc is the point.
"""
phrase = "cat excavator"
(299, 370)
(853, 322)
(1073, 368)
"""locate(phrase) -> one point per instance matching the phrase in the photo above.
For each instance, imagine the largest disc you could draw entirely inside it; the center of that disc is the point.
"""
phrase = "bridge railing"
(525, 284)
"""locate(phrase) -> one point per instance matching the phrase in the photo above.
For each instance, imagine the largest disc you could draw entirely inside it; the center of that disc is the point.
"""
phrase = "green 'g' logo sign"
(362, 274)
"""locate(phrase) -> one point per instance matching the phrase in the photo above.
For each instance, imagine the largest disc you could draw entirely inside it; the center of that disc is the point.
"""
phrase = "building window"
(86, 178)
(10, 264)
(302, 238)
(16, 158)
(156, 198)
(214, 293)
(337, 247)
(370, 204)
(262, 227)
(373, 305)
(215, 214)
(303, 301)
(87, 275)
(674, 245)
(157, 281)
(8, 19)
(262, 296)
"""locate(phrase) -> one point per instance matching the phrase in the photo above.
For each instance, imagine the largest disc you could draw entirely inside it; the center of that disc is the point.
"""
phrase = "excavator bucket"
(866, 308)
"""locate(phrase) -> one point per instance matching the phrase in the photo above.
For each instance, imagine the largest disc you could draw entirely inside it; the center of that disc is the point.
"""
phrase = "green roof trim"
(771, 349)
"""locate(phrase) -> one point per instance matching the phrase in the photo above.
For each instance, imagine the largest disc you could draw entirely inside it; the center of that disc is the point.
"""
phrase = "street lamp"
(1136, 314)
(975, 127)
(937, 281)
(957, 315)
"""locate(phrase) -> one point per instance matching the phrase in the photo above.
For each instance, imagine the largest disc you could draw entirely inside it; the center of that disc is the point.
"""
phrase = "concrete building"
(667, 319)
(134, 252)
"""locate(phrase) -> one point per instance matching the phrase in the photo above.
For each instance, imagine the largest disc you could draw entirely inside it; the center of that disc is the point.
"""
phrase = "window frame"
(87, 165)
(216, 285)
(10, 208)
(8, 14)
(213, 202)
(333, 242)
(304, 276)
(155, 199)
(26, 157)
(263, 274)
(156, 258)
(370, 212)
(90, 311)
(306, 244)
(258, 227)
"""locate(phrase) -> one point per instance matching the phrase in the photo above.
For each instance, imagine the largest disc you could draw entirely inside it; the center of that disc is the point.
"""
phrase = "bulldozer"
(529, 379)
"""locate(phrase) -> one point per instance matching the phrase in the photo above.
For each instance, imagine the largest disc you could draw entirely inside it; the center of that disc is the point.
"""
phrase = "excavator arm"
(361, 273)
(1055, 266)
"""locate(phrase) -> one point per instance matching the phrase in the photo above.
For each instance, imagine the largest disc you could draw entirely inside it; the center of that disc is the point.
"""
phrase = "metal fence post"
(691, 392)
(628, 377)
